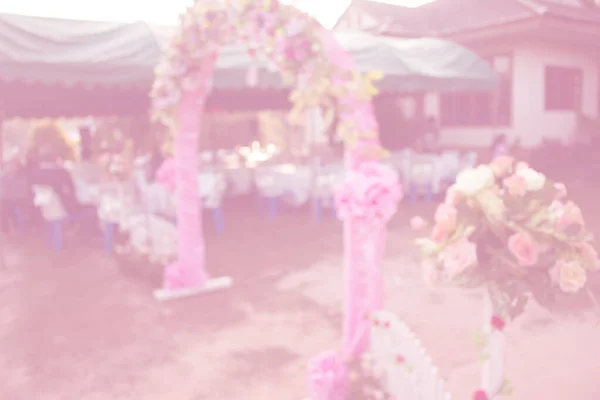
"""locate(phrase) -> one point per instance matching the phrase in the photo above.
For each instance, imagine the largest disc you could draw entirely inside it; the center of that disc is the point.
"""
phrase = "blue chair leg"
(272, 207)
(109, 232)
(412, 192)
(219, 219)
(429, 193)
(56, 234)
(318, 210)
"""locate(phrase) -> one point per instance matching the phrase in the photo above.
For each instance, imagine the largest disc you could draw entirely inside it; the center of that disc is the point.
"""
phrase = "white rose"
(491, 204)
(533, 180)
(471, 181)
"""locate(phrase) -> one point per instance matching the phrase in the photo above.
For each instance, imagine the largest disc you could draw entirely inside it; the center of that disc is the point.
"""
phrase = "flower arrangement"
(508, 226)
(370, 192)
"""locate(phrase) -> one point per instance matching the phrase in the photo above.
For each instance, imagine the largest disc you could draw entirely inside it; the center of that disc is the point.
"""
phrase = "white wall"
(531, 123)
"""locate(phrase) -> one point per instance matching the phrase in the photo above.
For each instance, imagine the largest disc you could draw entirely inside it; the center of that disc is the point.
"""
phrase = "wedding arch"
(309, 57)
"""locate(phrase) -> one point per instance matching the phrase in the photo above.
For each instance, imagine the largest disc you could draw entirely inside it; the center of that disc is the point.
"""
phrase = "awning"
(55, 67)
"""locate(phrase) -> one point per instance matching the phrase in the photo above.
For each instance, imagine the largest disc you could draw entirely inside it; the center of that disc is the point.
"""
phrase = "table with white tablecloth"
(430, 168)
(285, 179)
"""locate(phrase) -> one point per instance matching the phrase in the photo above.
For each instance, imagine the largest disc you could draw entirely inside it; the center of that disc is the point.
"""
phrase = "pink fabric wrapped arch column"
(188, 275)
(365, 202)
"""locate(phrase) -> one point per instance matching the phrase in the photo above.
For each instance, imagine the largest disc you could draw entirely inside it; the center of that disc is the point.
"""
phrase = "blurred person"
(50, 172)
(500, 146)
(16, 196)
(85, 143)
(431, 135)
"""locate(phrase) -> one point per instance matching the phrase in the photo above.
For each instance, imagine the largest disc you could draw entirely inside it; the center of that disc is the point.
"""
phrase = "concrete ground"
(73, 326)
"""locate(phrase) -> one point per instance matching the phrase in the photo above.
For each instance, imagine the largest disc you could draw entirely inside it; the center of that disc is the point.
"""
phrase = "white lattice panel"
(408, 371)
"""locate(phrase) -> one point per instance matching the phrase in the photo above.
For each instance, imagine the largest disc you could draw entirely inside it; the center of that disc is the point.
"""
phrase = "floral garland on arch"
(288, 40)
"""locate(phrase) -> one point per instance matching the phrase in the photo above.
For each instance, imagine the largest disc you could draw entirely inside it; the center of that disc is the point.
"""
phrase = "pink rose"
(371, 191)
(524, 248)
(439, 233)
(446, 216)
(417, 223)
(571, 215)
(561, 190)
(588, 254)
(515, 185)
(569, 276)
(458, 257)
(430, 273)
(502, 165)
(453, 196)
(328, 377)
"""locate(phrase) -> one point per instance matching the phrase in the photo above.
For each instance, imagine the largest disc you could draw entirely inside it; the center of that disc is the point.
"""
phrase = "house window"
(562, 88)
(481, 108)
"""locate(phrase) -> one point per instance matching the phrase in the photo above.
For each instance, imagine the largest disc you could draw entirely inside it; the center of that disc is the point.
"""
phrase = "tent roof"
(51, 67)
(68, 52)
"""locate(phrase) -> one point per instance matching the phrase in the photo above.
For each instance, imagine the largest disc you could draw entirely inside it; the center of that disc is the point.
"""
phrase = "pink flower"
(524, 248)
(328, 377)
(556, 210)
(453, 196)
(516, 185)
(459, 256)
(446, 216)
(417, 223)
(371, 192)
(430, 273)
(480, 395)
(588, 254)
(571, 215)
(561, 190)
(502, 165)
(569, 276)
(439, 233)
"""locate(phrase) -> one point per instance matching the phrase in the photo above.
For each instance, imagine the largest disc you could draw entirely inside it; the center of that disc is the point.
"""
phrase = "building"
(547, 52)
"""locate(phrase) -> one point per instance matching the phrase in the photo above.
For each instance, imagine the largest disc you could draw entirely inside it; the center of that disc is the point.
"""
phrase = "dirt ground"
(73, 326)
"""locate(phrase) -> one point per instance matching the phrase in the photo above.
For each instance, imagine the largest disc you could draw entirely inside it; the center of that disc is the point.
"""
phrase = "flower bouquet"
(145, 244)
(508, 226)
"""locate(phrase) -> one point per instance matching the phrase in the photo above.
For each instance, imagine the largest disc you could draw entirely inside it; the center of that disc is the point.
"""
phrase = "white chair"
(151, 236)
(53, 212)
(239, 181)
(270, 189)
(448, 166)
(323, 193)
(116, 202)
(297, 185)
(213, 200)
(469, 160)
(422, 175)
(402, 163)
(85, 192)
